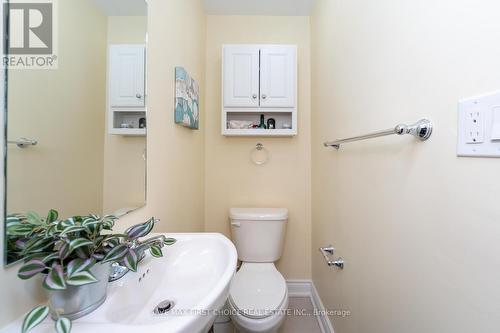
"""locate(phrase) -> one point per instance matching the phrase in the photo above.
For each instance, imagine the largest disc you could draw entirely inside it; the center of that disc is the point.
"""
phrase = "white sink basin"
(194, 273)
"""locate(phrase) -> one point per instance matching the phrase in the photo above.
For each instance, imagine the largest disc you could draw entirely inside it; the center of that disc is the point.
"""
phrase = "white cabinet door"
(241, 76)
(278, 75)
(127, 75)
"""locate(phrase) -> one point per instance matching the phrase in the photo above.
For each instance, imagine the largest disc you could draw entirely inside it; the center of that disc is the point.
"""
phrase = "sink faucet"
(141, 247)
(118, 270)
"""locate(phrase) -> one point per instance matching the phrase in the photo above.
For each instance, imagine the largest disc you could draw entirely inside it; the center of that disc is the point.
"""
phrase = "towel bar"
(422, 130)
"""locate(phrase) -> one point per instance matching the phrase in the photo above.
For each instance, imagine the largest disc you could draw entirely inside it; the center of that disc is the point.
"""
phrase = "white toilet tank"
(258, 233)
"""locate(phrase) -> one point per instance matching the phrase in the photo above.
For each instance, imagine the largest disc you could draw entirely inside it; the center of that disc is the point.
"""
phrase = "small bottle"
(271, 123)
(262, 122)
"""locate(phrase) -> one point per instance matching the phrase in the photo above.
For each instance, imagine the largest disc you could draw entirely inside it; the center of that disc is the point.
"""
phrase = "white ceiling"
(123, 7)
(259, 7)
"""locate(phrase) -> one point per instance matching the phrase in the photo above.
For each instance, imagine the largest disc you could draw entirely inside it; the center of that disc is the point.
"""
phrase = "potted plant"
(74, 256)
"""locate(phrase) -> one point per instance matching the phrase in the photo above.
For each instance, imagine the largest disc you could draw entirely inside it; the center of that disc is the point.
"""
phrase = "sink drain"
(164, 307)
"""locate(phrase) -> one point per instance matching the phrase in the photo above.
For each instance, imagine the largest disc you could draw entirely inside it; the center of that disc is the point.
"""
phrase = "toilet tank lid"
(258, 214)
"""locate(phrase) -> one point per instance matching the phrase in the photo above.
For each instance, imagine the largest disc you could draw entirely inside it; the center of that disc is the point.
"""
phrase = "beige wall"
(124, 165)
(231, 179)
(418, 227)
(175, 187)
(127, 29)
(62, 109)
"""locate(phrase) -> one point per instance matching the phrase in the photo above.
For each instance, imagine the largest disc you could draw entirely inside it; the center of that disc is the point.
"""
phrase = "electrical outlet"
(479, 126)
(474, 127)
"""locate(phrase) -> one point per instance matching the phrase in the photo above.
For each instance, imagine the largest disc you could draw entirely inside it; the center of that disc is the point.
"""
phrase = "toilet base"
(265, 325)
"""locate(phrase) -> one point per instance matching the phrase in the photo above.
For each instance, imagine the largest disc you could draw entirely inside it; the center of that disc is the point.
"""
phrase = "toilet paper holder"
(327, 253)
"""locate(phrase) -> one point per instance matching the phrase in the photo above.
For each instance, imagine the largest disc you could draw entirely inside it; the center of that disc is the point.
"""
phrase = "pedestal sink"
(189, 284)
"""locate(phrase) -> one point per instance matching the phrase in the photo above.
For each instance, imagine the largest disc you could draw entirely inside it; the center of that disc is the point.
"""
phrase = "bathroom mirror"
(76, 133)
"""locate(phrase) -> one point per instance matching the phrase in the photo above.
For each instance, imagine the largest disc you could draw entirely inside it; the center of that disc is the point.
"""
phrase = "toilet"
(258, 295)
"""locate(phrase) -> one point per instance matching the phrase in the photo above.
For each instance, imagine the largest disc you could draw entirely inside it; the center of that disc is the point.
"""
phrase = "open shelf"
(259, 132)
(283, 120)
(128, 131)
(129, 117)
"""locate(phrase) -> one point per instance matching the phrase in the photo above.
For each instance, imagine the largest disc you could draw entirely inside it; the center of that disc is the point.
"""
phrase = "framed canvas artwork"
(187, 94)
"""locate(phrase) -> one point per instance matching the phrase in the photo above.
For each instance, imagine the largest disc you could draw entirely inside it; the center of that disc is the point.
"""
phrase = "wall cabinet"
(126, 89)
(241, 76)
(127, 73)
(259, 79)
(277, 76)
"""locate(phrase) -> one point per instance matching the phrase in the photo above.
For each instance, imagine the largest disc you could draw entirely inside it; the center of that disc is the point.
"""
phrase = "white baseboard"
(299, 288)
(306, 288)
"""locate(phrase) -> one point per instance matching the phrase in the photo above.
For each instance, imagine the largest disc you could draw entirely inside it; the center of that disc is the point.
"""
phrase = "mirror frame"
(5, 113)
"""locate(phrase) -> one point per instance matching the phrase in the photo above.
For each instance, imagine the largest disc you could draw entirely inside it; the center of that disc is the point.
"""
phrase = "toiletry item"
(271, 123)
(239, 124)
(287, 126)
(142, 122)
(262, 122)
(125, 125)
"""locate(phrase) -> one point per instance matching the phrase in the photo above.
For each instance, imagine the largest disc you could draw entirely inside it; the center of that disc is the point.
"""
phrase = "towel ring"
(259, 155)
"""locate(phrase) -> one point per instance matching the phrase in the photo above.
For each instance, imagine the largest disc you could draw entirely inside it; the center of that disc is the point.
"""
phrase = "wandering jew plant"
(64, 251)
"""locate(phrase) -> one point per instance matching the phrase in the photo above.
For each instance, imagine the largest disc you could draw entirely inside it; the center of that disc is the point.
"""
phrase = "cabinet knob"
(138, 96)
(264, 96)
(254, 96)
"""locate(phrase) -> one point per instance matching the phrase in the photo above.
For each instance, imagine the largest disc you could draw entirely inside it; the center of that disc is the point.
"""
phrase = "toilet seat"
(257, 290)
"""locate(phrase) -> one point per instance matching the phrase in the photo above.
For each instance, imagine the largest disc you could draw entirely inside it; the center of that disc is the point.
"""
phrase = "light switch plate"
(479, 126)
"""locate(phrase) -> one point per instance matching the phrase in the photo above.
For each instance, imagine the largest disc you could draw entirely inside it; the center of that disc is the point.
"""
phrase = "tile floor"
(305, 322)
(302, 322)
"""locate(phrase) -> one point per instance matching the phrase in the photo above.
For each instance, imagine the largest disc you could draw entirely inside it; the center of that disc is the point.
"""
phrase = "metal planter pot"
(75, 302)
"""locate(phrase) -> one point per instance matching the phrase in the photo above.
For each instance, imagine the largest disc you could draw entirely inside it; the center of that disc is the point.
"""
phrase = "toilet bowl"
(258, 295)
(258, 298)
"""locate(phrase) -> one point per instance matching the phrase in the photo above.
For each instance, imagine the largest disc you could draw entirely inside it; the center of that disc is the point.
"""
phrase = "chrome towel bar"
(23, 142)
(422, 130)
